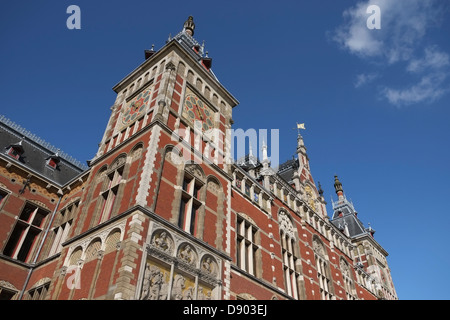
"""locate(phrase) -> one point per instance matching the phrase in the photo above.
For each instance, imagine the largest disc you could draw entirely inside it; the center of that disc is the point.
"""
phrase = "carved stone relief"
(163, 241)
(195, 170)
(177, 269)
(318, 248)
(183, 288)
(156, 282)
(286, 224)
(187, 254)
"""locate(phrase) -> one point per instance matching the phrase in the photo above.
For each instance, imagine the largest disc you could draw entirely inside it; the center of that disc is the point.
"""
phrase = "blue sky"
(375, 102)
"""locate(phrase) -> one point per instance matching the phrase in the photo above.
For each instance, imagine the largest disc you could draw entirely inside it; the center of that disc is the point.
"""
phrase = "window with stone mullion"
(190, 205)
(246, 246)
(110, 194)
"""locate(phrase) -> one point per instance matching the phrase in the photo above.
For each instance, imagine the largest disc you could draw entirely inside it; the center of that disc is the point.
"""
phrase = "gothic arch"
(111, 190)
(136, 151)
(213, 185)
(101, 172)
(345, 268)
(348, 278)
(118, 161)
(92, 249)
(290, 251)
(75, 256)
(286, 223)
(319, 247)
(112, 240)
(195, 170)
(173, 155)
(323, 269)
(246, 217)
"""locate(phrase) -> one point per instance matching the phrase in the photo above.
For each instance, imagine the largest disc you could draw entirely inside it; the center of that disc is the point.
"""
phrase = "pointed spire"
(189, 26)
(320, 189)
(300, 142)
(265, 158)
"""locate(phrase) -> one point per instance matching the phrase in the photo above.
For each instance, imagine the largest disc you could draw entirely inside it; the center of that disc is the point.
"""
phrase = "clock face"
(198, 113)
(135, 108)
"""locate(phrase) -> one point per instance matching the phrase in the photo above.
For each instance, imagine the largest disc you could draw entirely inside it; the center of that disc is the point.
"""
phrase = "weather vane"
(300, 126)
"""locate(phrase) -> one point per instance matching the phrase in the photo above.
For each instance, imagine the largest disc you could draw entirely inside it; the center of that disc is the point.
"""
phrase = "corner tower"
(159, 180)
(369, 255)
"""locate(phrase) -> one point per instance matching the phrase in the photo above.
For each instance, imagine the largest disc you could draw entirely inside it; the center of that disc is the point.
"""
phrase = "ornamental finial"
(189, 26)
(337, 185)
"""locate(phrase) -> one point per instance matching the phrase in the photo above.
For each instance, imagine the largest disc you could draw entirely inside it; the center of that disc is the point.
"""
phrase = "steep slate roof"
(287, 169)
(36, 152)
(345, 215)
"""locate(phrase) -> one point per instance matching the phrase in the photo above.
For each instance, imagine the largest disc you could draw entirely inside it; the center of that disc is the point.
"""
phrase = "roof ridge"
(31, 136)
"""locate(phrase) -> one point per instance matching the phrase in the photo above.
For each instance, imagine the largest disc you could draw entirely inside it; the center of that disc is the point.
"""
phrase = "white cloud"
(434, 59)
(404, 25)
(363, 79)
(428, 90)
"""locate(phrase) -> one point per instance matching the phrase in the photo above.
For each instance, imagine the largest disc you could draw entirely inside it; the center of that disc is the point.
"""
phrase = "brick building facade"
(162, 213)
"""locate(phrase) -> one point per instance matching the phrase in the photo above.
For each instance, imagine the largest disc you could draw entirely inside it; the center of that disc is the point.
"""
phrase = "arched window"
(288, 246)
(246, 244)
(349, 284)
(62, 225)
(191, 205)
(111, 188)
(323, 270)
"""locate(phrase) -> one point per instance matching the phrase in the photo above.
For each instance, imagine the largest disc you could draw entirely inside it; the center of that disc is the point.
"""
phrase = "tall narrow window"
(25, 233)
(110, 193)
(349, 285)
(63, 223)
(288, 245)
(323, 272)
(289, 261)
(190, 204)
(246, 245)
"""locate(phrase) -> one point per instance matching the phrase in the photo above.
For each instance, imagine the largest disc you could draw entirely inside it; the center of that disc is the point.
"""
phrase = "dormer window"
(53, 161)
(13, 153)
(15, 150)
